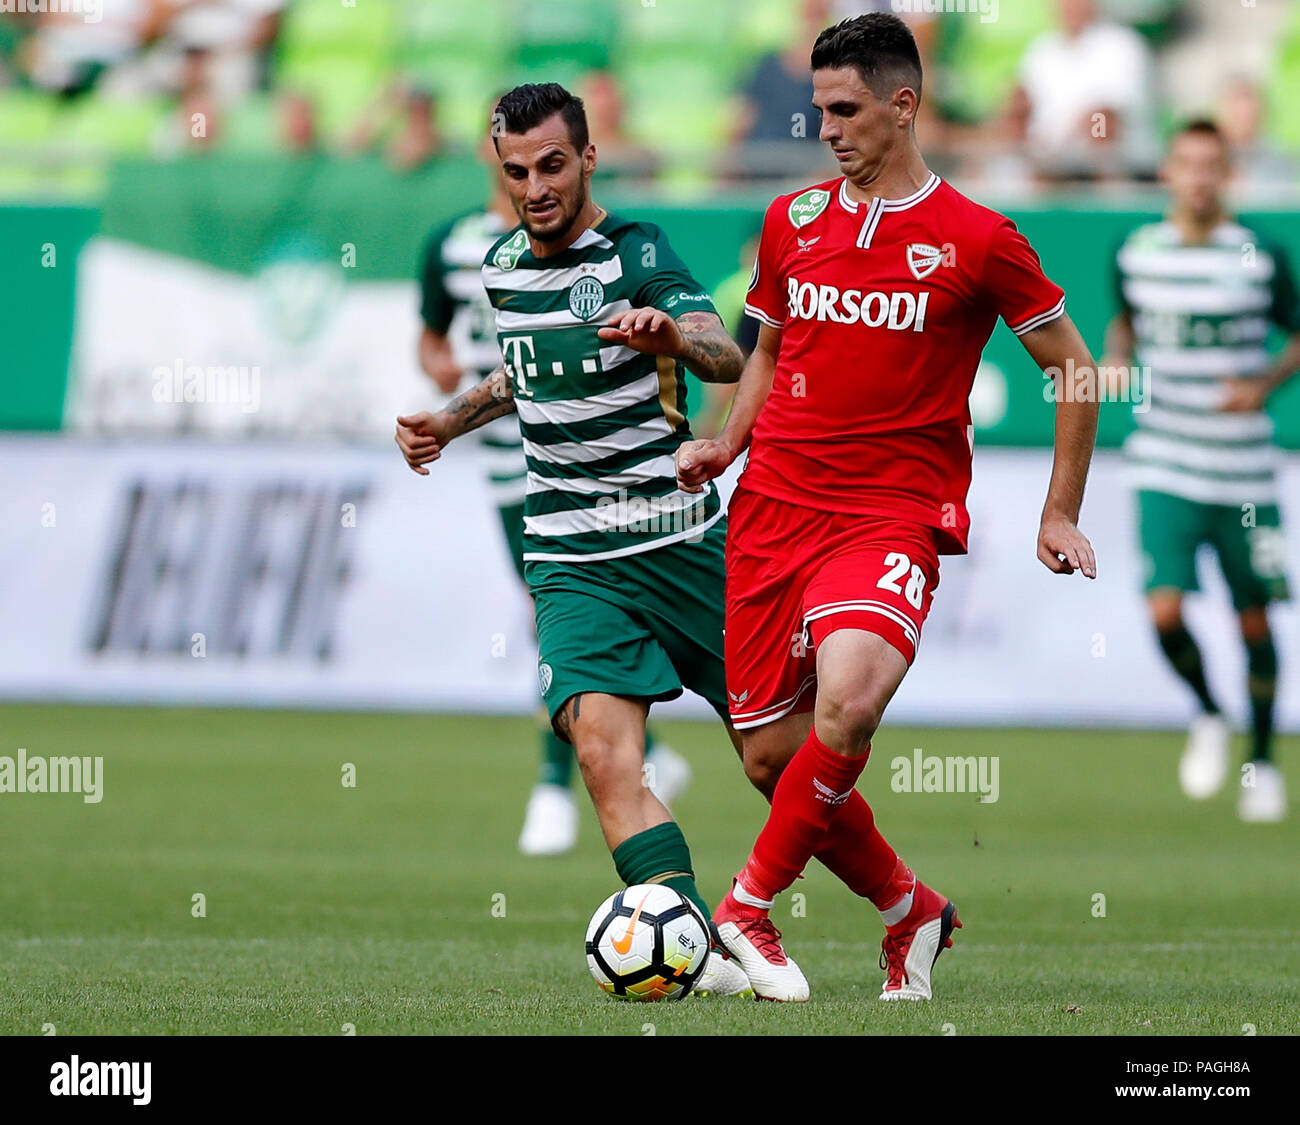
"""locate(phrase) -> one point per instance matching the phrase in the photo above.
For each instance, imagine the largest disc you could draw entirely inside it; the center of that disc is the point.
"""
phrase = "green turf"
(373, 906)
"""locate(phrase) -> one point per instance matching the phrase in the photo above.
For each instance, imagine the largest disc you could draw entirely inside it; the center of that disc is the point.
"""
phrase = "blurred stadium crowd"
(1020, 93)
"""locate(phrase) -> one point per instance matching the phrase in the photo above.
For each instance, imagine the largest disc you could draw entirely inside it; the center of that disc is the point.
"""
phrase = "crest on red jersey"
(923, 259)
(806, 207)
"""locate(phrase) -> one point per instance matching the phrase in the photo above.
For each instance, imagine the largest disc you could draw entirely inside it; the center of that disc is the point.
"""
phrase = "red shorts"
(794, 576)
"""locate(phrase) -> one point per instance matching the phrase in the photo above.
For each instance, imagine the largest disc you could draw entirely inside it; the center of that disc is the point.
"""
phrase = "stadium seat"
(250, 127)
(1153, 19)
(680, 25)
(464, 86)
(690, 110)
(981, 60)
(1284, 89)
(478, 28)
(115, 126)
(762, 26)
(684, 31)
(686, 119)
(459, 52)
(27, 118)
(566, 69)
(339, 56)
(316, 27)
(580, 32)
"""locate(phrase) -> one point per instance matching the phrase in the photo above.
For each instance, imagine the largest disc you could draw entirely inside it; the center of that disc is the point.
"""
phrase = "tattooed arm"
(710, 352)
(699, 339)
(491, 399)
(421, 437)
(700, 461)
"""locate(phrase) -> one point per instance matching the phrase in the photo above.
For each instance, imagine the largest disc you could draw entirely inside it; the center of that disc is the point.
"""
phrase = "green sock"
(652, 854)
(557, 760)
(1183, 654)
(1261, 662)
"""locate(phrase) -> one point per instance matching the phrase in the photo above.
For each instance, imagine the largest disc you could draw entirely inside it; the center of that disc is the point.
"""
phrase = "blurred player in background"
(1198, 294)
(596, 319)
(876, 292)
(459, 339)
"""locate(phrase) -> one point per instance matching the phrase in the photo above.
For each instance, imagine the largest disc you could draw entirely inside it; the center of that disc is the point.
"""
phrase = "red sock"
(813, 788)
(854, 850)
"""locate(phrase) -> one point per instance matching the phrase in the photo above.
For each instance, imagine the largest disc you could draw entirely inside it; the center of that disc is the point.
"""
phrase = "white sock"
(739, 893)
(900, 909)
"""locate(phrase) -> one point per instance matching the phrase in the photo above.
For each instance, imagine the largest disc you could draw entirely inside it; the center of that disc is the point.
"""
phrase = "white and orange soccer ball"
(647, 943)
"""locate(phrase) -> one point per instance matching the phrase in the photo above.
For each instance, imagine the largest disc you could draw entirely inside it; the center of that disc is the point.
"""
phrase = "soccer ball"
(647, 943)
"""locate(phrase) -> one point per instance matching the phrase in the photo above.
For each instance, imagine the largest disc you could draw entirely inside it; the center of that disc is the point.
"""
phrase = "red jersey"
(884, 309)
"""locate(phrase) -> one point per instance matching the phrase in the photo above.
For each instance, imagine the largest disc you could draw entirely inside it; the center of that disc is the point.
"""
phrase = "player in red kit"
(876, 292)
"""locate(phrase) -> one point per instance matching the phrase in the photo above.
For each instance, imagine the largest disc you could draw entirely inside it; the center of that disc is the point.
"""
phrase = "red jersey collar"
(851, 205)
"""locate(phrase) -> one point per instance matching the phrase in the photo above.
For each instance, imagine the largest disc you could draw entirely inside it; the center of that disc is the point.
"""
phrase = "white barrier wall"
(298, 575)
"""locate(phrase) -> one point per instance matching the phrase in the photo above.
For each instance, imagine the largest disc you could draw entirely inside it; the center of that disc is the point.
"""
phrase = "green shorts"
(1248, 542)
(643, 625)
(512, 523)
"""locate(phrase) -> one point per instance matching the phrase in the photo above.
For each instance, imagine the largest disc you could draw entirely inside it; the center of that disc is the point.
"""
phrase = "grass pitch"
(401, 906)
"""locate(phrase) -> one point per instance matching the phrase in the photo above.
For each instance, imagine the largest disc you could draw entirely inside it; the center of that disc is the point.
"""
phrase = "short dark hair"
(527, 106)
(878, 45)
(1201, 127)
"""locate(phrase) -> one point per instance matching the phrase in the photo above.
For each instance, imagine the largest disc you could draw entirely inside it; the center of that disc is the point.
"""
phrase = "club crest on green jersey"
(509, 253)
(806, 207)
(586, 297)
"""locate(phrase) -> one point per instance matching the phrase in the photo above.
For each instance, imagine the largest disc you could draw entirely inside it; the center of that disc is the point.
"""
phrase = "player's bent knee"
(594, 746)
(767, 750)
(1167, 622)
(1166, 611)
(763, 771)
(608, 738)
(849, 719)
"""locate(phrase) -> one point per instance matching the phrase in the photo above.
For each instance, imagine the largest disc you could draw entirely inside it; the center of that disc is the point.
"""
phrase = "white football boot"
(1204, 764)
(550, 821)
(910, 949)
(749, 936)
(1265, 801)
(722, 976)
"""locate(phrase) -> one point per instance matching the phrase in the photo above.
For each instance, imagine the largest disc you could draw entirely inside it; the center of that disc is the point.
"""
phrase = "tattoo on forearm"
(709, 351)
(493, 398)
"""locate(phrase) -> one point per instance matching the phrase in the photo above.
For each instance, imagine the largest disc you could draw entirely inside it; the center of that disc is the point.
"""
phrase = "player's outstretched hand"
(700, 461)
(421, 437)
(1063, 548)
(645, 330)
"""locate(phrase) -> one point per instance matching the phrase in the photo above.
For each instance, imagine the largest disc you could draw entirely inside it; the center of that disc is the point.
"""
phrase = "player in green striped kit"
(458, 340)
(1199, 294)
(596, 318)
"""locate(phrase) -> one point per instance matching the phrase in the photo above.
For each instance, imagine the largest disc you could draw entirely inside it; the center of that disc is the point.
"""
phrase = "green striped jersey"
(1202, 314)
(600, 421)
(453, 304)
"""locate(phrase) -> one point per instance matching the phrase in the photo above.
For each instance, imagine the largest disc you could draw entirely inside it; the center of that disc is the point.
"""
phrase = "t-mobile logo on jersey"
(896, 311)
